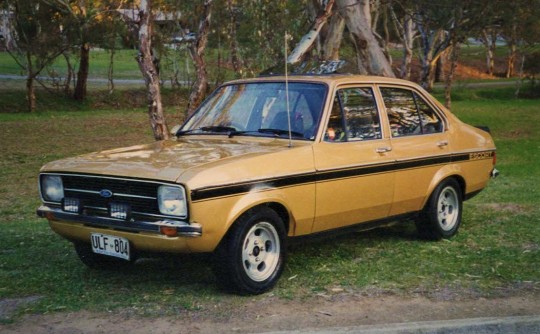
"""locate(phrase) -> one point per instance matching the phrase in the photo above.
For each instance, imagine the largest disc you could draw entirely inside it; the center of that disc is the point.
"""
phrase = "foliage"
(37, 38)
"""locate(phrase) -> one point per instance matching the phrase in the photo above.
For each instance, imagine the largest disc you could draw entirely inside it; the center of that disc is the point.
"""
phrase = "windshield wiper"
(218, 128)
(213, 128)
(281, 132)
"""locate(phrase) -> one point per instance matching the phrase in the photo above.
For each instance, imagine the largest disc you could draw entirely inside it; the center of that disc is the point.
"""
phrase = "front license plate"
(110, 245)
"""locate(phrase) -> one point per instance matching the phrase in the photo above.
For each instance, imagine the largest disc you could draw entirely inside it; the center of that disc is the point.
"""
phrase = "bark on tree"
(196, 50)
(489, 39)
(235, 59)
(334, 35)
(511, 60)
(308, 40)
(30, 90)
(454, 57)
(70, 74)
(82, 74)
(511, 41)
(434, 44)
(110, 72)
(370, 56)
(407, 32)
(150, 73)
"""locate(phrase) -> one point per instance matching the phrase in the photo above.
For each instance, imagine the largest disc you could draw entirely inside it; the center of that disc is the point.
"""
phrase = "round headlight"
(52, 188)
(172, 201)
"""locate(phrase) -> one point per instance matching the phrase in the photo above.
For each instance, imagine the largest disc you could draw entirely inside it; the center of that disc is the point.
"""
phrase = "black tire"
(441, 217)
(98, 261)
(250, 259)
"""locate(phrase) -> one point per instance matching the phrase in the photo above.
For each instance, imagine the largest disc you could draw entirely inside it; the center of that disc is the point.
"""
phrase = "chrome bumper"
(183, 229)
(494, 173)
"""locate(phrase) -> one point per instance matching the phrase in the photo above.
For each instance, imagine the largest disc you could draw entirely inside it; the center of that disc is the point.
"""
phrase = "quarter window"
(354, 116)
(408, 114)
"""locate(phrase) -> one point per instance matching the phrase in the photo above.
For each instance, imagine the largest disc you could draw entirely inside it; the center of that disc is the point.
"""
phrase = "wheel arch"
(447, 172)
(277, 205)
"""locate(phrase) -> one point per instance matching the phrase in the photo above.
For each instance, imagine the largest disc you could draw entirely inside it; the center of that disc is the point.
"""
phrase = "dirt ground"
(273, 314)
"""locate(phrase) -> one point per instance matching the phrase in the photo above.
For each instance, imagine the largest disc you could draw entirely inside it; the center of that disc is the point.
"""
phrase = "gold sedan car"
(269, 159)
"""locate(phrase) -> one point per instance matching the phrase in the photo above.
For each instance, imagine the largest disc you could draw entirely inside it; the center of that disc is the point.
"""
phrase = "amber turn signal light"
(168, 231)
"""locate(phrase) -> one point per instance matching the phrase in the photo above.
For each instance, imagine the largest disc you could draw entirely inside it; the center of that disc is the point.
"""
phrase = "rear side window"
(354, 116)
(408, 114)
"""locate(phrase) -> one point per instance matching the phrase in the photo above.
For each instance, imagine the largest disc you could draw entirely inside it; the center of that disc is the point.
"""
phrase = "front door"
(355, 181)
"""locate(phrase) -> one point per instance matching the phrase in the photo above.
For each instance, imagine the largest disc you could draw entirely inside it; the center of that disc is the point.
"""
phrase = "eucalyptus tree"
(38, 38)
(89, 21)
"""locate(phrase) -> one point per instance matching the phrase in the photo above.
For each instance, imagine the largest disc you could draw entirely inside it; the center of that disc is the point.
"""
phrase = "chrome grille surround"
(139, 194)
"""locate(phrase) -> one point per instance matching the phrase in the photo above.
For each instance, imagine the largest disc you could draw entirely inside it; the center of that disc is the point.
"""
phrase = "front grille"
(140, 196)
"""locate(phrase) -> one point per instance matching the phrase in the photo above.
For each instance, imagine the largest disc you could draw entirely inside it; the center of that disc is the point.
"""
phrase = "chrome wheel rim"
(260, 251)
(448, 208)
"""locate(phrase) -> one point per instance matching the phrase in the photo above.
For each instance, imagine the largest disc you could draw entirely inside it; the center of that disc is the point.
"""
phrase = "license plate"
(110, 245)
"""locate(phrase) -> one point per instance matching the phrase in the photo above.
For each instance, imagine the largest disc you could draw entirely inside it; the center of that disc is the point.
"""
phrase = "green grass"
(497, 251)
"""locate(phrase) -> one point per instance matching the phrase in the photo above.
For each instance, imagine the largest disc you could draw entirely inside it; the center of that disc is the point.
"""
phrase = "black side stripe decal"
(291, 180)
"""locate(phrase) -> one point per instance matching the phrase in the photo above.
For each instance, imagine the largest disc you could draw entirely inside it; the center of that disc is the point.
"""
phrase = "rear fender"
(443, 173)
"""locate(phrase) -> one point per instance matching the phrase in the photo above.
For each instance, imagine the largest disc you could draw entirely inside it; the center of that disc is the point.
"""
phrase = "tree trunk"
(439, 68)
(30, 93)
(150, 73)
(82, 75)
(308, 40)
(110, 72)
(434, 44)
(490, 42)
(30, 90)
(511, 60)
(235, 59)
(69, 75)
(333, 37)
(196, 50)
(406, 32)
(454, 56)
(370, 56)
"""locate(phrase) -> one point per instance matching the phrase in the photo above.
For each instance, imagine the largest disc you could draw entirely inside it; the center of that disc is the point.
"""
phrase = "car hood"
(164, 160)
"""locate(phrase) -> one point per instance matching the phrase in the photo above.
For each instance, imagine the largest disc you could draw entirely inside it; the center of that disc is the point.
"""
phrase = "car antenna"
(287, 91)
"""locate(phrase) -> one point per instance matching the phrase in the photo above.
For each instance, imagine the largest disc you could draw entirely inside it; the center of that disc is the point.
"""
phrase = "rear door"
(354, 161)
(419, 142)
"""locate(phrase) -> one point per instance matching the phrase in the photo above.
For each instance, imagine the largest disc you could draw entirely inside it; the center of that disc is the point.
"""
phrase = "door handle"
(383, 149)
(442, 143)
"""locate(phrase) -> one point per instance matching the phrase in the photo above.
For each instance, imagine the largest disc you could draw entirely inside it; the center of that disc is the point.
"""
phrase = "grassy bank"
(497, 251)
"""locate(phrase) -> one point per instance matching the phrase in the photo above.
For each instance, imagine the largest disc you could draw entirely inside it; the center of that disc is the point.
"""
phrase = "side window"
(402, 112)
(354, 116)
(409, 114)
(335, 130)
(431, 122)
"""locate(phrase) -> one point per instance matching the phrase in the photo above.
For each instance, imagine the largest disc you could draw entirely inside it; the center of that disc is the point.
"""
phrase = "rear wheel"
(98, 261)
(251, 257)
(441, 217)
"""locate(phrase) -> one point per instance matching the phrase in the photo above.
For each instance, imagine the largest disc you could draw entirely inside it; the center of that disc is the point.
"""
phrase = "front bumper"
(183, 229)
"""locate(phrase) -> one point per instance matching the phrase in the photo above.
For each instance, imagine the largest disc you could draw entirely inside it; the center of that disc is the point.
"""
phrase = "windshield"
(260, 109)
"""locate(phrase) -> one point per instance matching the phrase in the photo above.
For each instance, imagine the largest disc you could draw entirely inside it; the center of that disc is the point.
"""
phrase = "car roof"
(331, 79)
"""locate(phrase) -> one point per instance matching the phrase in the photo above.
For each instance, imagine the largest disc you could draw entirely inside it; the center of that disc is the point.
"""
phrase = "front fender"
(217, 215)
(254, 199)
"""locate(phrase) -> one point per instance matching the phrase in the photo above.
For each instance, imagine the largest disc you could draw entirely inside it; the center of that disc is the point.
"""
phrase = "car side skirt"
(365, 226)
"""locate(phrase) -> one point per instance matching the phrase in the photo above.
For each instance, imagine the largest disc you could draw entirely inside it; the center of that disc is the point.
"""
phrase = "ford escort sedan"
(268, 159)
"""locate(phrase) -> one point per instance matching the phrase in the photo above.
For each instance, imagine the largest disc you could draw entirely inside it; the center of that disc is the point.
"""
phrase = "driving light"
(71, 205)
(52, 188)
(172, 201)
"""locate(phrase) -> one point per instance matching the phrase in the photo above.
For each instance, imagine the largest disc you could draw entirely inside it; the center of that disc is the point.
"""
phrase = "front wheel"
(251, 258)
(441, 217)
